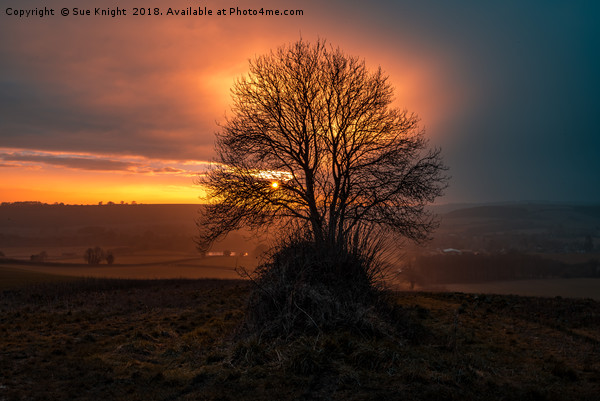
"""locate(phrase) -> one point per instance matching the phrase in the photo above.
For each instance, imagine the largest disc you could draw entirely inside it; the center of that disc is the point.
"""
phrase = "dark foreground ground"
(101, 339)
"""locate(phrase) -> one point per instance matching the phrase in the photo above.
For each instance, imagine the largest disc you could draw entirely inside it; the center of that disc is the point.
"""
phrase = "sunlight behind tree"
(315, 149)
(352, 162)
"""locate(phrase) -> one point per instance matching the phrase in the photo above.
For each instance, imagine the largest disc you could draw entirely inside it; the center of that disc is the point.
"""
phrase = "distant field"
(571, 257)
(214, 267)
(74, 255)
(564, 287)
(11, 277)
(222, 267)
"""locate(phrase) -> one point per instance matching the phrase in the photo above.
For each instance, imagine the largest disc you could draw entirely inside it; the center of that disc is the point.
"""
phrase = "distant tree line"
(111, 203)
(23, 203)
(97, 255)
(38, 203)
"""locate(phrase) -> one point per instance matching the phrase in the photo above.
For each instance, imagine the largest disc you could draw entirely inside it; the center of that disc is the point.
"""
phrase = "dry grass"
(11, 277)
(173, 340)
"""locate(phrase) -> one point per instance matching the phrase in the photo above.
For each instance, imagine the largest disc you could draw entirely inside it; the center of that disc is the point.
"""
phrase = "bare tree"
(94, 256)
(314, 141)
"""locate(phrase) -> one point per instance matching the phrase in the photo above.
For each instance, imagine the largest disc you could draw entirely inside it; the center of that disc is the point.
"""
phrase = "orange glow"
(82, 191)
(166, 82)
(56, 184)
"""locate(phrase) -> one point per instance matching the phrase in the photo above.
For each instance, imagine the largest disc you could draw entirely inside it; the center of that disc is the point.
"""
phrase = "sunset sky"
(94, 108)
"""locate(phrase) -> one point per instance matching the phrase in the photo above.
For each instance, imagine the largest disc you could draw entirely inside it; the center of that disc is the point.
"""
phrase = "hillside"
(536, 227)
(174, 340)
(522, 227)
(18, 217)
(488, 219)
(128, 227)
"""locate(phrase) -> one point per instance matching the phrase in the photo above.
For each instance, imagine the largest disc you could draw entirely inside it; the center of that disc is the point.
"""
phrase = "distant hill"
(572, 218)
(141, 227)
(61, 216)
(527, 227)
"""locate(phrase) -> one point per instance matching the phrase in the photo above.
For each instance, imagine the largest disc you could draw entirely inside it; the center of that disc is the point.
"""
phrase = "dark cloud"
(37, 116)
(529, 71)
(167, 170)
(72, 162)
(130, 164)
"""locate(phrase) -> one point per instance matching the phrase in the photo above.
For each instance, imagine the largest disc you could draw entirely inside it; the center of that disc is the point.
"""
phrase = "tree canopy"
(314, 142)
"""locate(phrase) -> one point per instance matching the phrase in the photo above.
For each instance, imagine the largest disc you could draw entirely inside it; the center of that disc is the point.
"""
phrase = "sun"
(274, 185)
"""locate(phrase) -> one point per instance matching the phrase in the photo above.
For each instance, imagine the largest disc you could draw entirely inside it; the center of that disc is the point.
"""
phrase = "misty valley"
(474, 244)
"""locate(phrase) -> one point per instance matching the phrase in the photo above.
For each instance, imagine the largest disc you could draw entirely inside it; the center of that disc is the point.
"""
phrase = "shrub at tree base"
(305, 288)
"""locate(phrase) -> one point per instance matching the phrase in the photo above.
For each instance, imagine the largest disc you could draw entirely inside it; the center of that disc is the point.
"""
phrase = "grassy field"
(563, 287)
(14, 277)
(92, 338)
(224, 267)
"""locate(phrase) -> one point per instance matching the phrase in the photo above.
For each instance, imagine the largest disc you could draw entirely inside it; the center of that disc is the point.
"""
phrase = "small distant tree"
(39, 257)
(94, 256)
(110, 257)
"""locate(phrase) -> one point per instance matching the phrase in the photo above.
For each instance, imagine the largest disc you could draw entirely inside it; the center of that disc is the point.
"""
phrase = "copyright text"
(114, 12)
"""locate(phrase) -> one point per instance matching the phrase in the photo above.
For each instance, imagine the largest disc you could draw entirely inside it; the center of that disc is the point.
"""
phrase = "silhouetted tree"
(94, 256)
(110, 258)
(315, 148)
(40, 257)
(314, 142)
